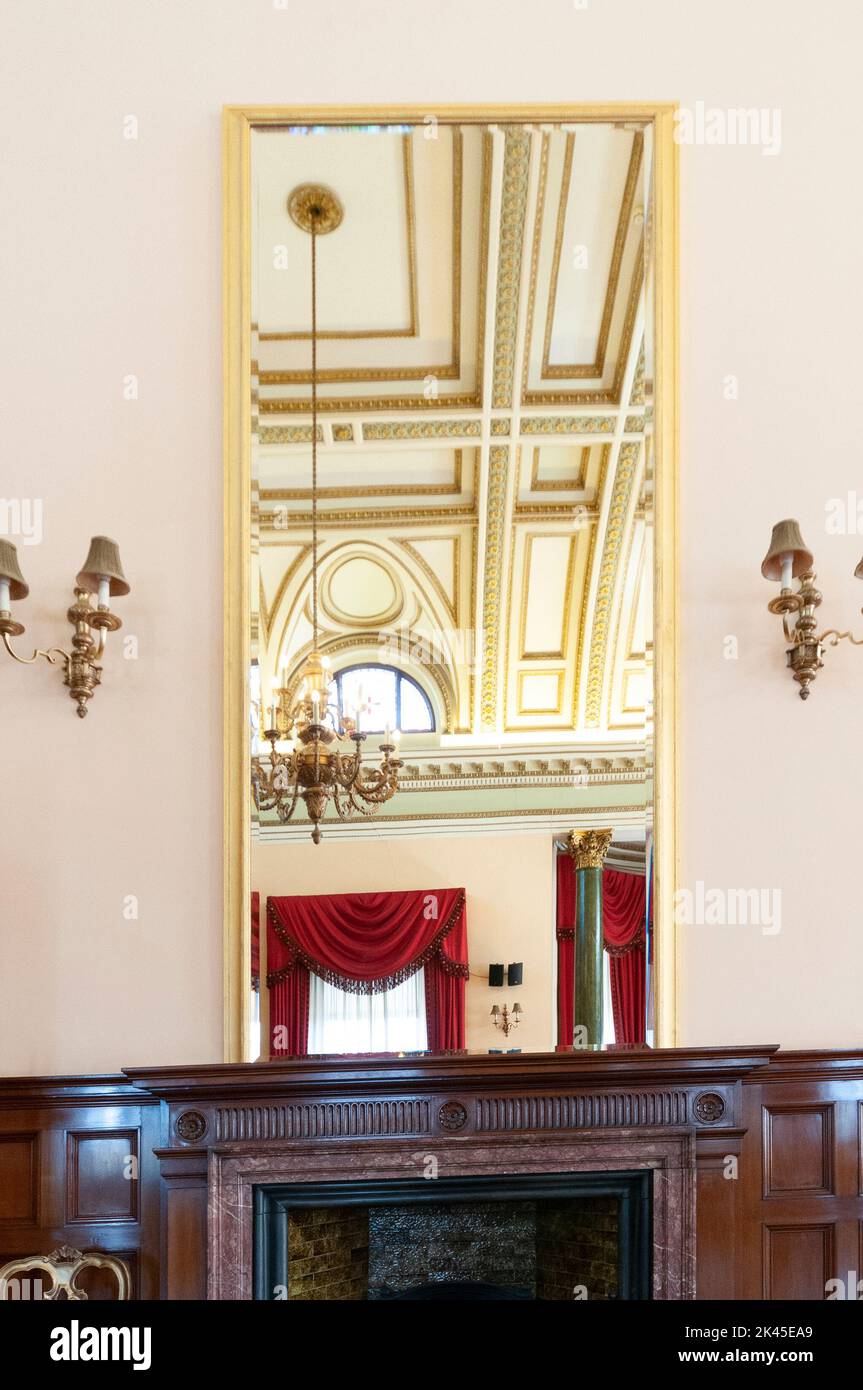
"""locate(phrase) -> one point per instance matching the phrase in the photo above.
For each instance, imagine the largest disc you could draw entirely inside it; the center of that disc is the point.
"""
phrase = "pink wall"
(110, 266)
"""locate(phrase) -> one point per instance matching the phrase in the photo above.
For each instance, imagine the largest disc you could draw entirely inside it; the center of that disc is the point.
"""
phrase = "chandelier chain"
(314, 433)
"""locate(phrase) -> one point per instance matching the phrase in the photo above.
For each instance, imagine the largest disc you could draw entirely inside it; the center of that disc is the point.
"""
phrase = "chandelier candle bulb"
(4, 595)
(104, 590)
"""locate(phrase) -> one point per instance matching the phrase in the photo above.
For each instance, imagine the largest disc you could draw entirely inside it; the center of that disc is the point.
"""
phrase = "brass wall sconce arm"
(788, 558)
(103, 576)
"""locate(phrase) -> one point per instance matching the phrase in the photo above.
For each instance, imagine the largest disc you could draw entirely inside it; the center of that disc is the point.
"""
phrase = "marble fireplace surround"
(234, 1172)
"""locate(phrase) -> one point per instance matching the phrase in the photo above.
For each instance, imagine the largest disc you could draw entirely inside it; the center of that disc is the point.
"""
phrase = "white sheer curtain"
(607, 1010)
(255, 1026)
(394, 1021)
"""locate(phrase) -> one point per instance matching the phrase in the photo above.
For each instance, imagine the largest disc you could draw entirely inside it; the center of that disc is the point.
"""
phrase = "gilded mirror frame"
(238, 122)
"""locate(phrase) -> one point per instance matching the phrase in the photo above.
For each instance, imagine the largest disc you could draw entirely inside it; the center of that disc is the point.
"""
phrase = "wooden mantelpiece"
(374, 1097)
(231, 1126)
(777, 1139)
(610, 1067)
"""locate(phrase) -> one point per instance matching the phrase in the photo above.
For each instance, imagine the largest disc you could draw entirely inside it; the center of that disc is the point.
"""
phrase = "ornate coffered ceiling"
(485, 434)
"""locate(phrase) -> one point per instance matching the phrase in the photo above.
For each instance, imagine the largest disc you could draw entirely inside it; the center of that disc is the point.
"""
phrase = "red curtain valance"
(366, 943)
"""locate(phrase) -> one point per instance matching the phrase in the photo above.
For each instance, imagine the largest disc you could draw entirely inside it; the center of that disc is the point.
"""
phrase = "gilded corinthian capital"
(588, 848)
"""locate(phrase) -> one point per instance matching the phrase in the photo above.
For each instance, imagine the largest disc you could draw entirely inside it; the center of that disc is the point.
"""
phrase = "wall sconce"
(102, 575)
(506, 1019)
(790, 558)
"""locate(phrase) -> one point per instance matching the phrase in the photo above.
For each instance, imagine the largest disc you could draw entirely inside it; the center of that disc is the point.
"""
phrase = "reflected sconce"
(506, 1019)
(101, 575)
(789, 558)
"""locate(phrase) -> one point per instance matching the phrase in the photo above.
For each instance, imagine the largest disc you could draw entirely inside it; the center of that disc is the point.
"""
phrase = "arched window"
(385, 698)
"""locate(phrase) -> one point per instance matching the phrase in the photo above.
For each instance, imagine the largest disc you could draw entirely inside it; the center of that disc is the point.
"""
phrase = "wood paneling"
(798, 1261)
(801, 1202)
(77, 1167)
(19, 1179)
(102, 1176)
(717, 1213)
(186, 1239)
(779, 1149)
(797, 1156)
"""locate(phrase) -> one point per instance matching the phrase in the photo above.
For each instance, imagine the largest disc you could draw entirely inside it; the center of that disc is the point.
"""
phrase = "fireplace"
(230, 1131)
(250, 1257)
(529, 1236)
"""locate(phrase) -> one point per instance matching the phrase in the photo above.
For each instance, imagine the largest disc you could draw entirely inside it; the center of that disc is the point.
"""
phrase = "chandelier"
(319, 767)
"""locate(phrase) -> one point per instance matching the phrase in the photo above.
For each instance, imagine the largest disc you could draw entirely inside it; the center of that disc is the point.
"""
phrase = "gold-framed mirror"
(473, 548)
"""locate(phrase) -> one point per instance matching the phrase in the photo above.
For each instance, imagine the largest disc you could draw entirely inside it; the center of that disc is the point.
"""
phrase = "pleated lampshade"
(103, 562)
(11, 570)
(787, 540)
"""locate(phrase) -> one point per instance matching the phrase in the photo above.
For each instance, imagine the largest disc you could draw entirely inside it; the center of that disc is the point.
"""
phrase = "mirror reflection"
(452, 573)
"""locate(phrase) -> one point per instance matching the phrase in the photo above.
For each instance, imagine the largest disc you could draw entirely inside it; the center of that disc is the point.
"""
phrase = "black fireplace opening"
(547, 1237)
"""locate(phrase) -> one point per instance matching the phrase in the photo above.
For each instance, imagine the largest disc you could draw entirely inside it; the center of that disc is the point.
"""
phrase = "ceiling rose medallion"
(313, 205)
(315, 770)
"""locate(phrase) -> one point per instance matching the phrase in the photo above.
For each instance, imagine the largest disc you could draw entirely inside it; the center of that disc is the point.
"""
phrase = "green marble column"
(588, 849)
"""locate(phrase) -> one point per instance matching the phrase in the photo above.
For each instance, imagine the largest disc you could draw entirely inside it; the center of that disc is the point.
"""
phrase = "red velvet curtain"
(623, 915)
(624, 906)
(289, 1014)
(367, 943)
(446, 971)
